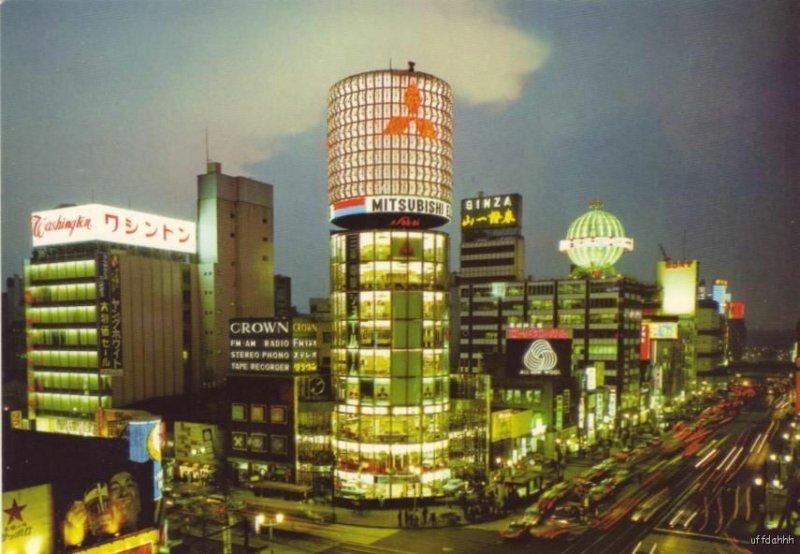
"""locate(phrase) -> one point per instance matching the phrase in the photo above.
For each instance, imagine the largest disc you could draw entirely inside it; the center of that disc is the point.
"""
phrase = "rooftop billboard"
(96, 222)
(678, 282)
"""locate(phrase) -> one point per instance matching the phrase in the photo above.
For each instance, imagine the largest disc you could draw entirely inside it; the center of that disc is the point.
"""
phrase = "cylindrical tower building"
(389, 183)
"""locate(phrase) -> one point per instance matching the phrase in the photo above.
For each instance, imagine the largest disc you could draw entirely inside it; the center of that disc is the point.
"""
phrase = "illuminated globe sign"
(390, 150)
(595, 241)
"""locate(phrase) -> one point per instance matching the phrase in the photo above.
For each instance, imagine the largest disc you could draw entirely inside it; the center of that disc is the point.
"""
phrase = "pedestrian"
(399, 518)
(433, 519)
(425, 515)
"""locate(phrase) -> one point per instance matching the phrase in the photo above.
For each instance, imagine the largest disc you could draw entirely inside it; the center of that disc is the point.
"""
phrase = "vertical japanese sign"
(352, 298)
(559, 412)
(109, 315)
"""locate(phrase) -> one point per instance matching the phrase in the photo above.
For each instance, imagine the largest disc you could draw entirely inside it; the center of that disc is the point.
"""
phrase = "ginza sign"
(96, 222)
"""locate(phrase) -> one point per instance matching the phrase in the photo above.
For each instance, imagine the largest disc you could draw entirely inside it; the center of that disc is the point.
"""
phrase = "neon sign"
(96, 222)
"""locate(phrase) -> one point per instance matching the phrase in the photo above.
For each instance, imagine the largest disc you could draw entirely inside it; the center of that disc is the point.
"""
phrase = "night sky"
(682, 116)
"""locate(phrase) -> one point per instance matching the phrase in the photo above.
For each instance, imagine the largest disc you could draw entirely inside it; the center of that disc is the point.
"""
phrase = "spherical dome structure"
(596, 240)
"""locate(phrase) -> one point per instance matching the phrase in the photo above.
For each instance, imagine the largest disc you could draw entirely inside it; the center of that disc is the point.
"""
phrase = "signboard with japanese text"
(304, 345)
(28, 520)
(678, 282)
(735, 310)
(491, 212)
(538, 333)
(109, 315)
(661, 330)
(644, 344)
(262, 345)
(197, 442)
(273, 345)
(96, 222)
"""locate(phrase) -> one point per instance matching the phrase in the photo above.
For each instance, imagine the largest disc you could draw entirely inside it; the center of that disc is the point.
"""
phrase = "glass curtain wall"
(390, 361)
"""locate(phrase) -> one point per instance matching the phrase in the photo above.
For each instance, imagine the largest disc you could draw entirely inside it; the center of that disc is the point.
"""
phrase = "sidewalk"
(438, 515)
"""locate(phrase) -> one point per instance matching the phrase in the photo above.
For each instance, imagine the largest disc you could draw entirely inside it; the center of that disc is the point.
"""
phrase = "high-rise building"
(389, 184)
(709, 350)
(279, 406)
(603, 314)
(235, 259)
(677, 283)
(14, 330)
(735, 331)
(283, 296)
(109, 313)
(719, 293)
(492, 247)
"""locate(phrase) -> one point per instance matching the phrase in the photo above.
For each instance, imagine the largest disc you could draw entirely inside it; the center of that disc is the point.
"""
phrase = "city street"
(695, 497)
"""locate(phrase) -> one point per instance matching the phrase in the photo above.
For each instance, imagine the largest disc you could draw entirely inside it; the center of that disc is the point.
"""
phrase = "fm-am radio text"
(266, 343)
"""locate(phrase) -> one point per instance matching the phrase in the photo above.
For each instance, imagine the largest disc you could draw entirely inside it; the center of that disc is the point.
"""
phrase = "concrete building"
(13, 310)
(279, 406)
(710, 348)
(492, 247)
(677, 292)
(283, 296)
(603, 314)
(235, 260)
(111, 313)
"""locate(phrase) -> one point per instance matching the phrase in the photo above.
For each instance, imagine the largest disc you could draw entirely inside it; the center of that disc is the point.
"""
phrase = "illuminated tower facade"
(389, 185)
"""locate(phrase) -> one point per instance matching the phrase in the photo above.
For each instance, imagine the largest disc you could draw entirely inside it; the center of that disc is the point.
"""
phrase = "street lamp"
(261, 519)
(758, 481)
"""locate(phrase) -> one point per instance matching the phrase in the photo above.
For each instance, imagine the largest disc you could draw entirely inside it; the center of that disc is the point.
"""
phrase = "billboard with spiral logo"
(544, 356)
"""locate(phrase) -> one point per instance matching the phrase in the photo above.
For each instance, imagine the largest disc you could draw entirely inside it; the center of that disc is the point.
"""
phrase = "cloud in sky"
(281, 67)
(110, 102)
(140, 88)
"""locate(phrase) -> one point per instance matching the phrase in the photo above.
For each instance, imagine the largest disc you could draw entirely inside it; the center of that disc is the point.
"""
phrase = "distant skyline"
(681, 116)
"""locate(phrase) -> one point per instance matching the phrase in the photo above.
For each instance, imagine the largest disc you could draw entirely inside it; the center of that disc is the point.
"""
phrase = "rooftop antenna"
(207, 158)
(390, 64)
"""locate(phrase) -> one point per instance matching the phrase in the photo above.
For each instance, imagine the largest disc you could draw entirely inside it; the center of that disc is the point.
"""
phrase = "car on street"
(569, 512)
(684, 518)
(649, 507)
(553, 495)
(534, 515)
(454, 486)
(351, 492)
(566, 522)
(601, 492)
(516, 530)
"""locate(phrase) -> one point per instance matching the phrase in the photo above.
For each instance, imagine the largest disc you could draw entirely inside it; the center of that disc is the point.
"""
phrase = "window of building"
(278, 444)
(239, 441)
(541, 289)
(277, 414)
(258, 442)
(258, 412)
(238, 412)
